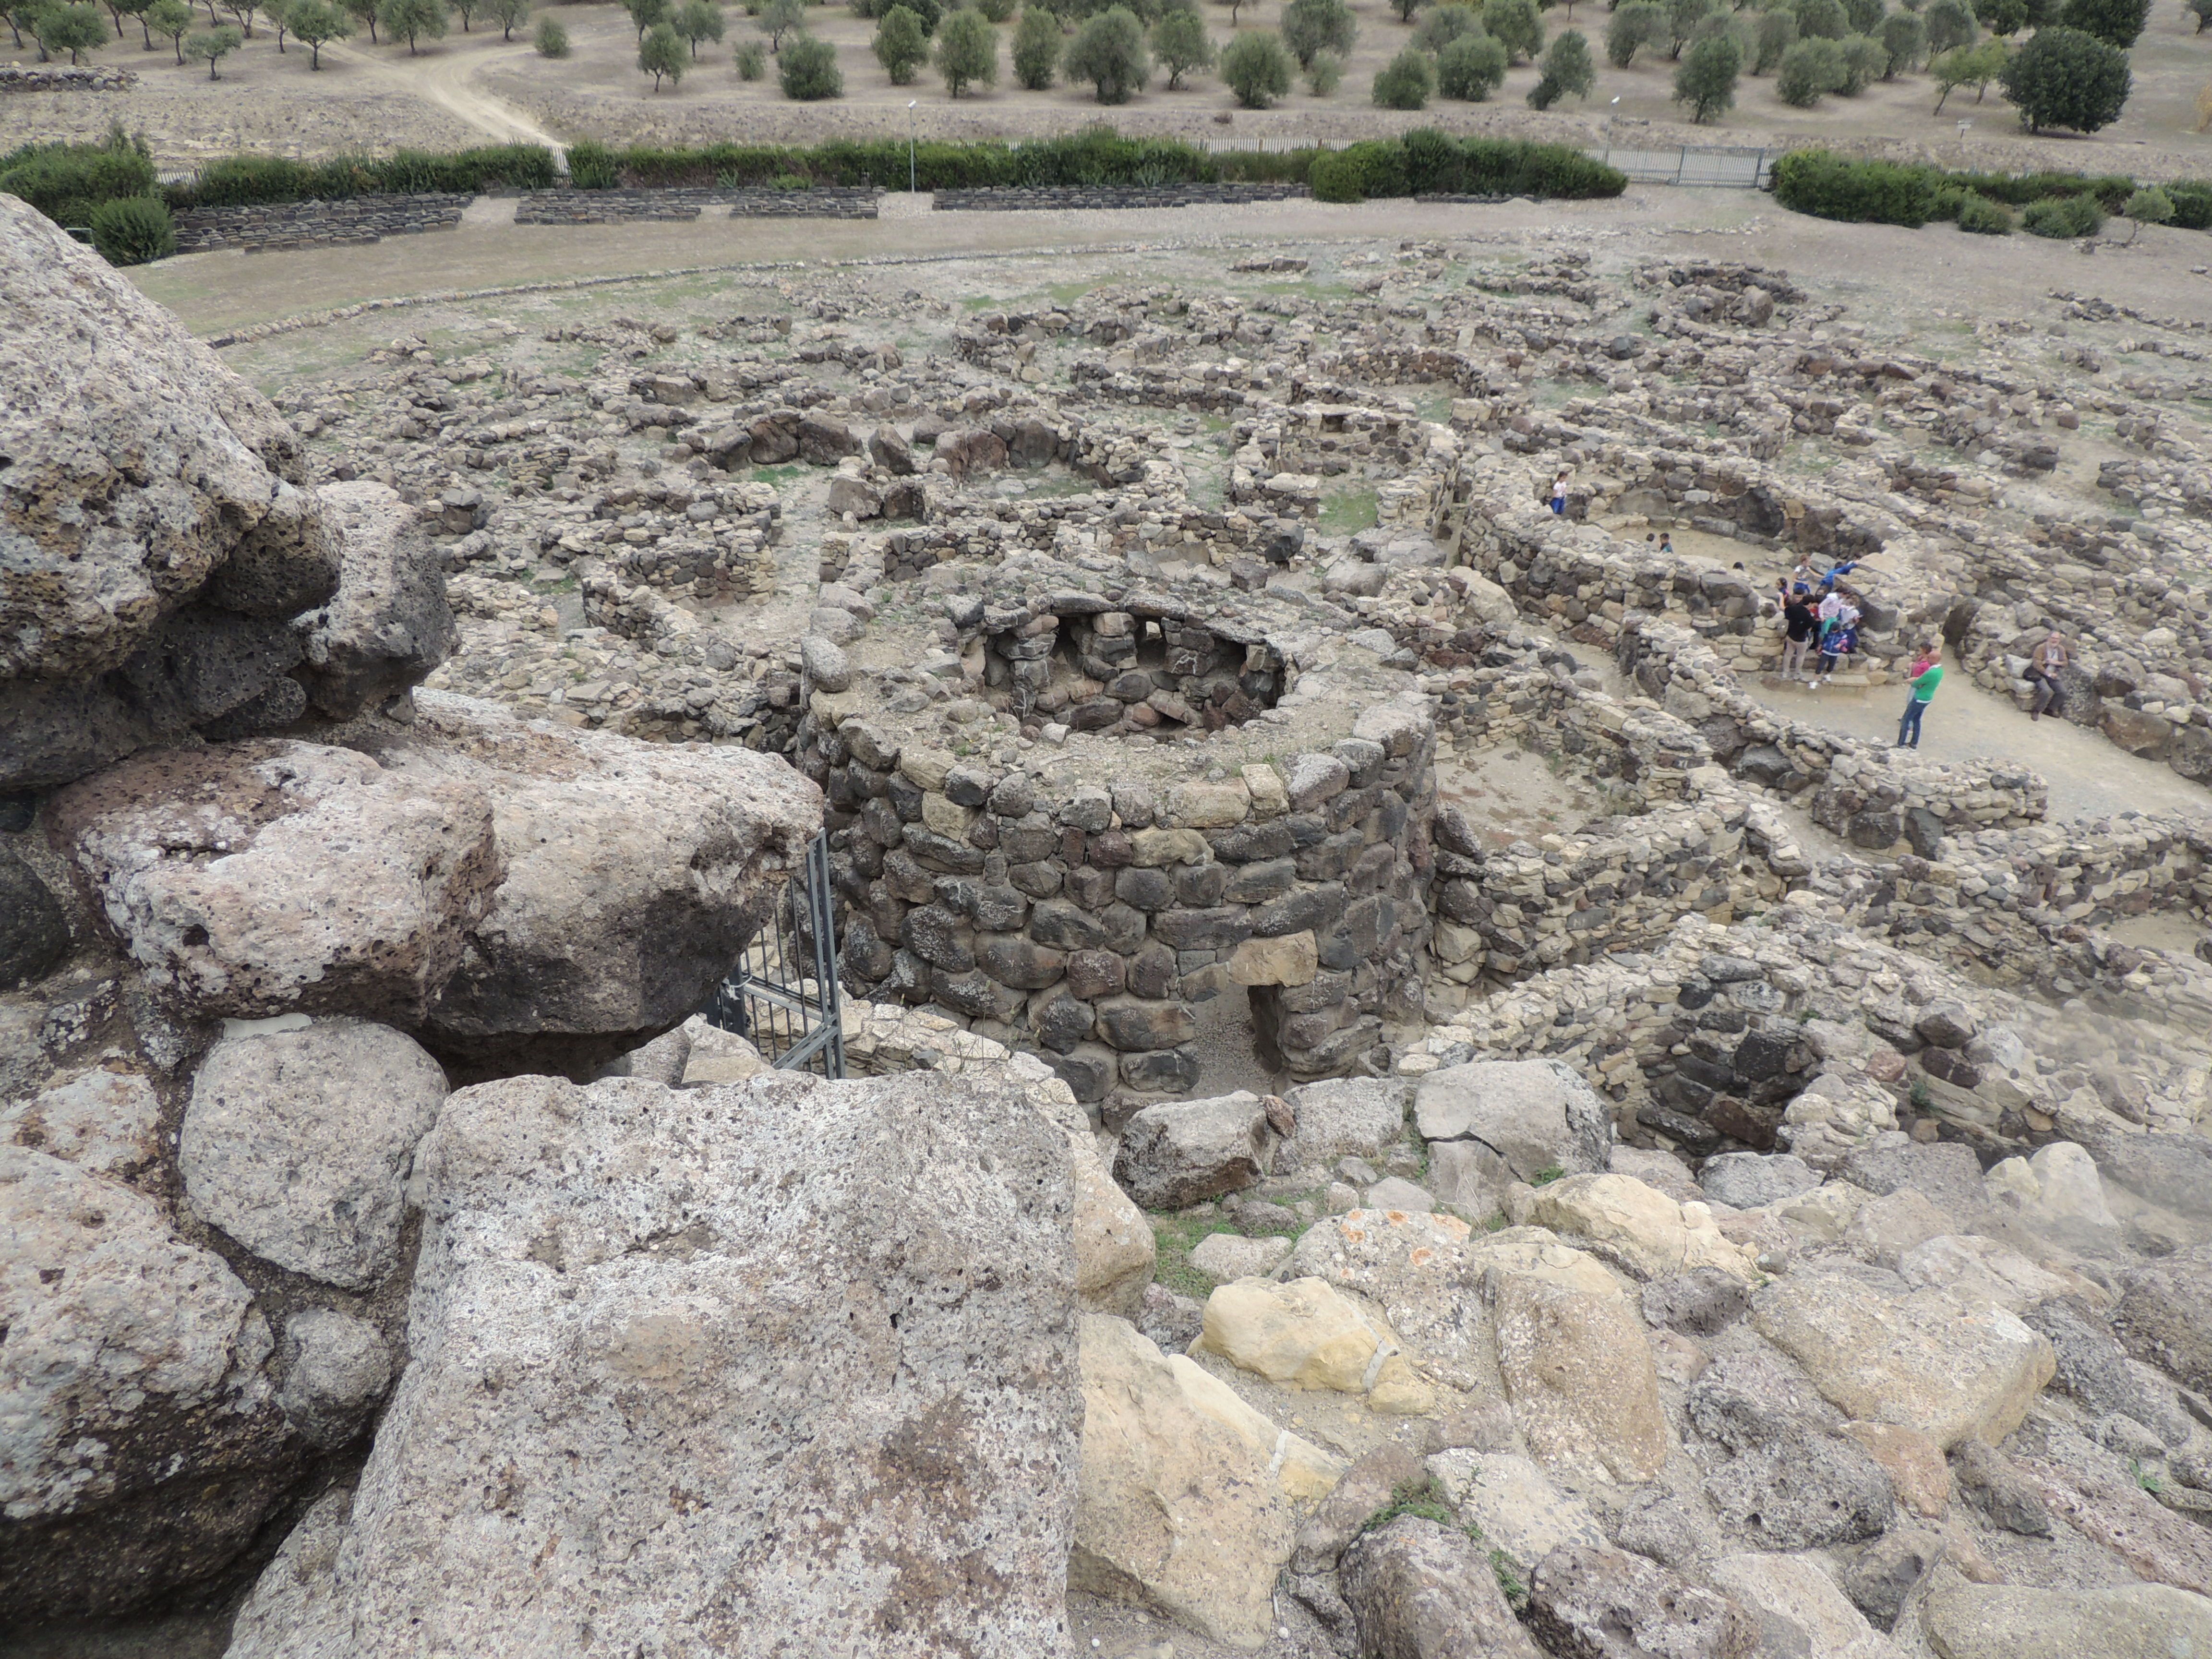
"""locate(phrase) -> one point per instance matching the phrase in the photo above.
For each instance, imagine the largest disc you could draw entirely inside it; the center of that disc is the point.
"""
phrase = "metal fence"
(782, 994)
(1732, 169)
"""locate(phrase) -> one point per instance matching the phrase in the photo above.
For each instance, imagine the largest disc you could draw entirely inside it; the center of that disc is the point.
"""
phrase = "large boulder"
(1639, 1227)
(1182, 1153)
(296, 1144)
(154, 535)
(272, 877)
(691, 1365)
(1188, 1493)
(1592, 1601)
(1581, 1375)
(388, 624)
(1924, 1361)
(1503, 1120)
(141, 1445)
(2012, 1621)
(634, 873)
(1342, 1117)
(2165, 1315)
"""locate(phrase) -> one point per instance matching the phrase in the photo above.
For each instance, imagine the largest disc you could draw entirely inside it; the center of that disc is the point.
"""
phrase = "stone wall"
(61, 77)
(630, 206)
(262, 226)
(1069, 197)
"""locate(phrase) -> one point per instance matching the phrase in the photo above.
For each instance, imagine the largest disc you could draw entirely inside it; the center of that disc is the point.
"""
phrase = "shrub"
(1865, 16)
(808, 70)
(75, 29)
(1706, 81)
(2193, 204)
(316, 22)
(593, 166)
(173, 18)
(509, 14)
(1566, 71)
(1371, 167)
(1949, 23)
(1406, 82)
(967, 52)
(1982, 217)
(1312, 27)
(900, 46)
(750, 61)
(1636, 24)
(1442, 25)
(2148, 206)
(1037, 48)
(1807, 70)
(779, 19)
(1968, 66)
(1435, 165)
(1903, 38)
(1862, 63)
(550, 39)
(1108, 52)
(661, 54)
(1828, 186)
(133, 229)
(1257, 69)
(1179, 44)
(1470, 68)
(1324, 73)
(2116, 22)
(2065, 78)
(1822, 20)
(69, 182)
(2062, 217)
(1515, 26)
(1775, 33)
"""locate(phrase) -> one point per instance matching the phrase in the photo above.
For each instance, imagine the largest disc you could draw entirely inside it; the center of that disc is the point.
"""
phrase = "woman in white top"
(2045, 665)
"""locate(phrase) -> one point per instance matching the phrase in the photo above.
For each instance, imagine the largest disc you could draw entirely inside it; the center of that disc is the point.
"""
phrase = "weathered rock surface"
(1418, 1590)
(1342, 1117)
(1924, 1361)
(273, 876)
(2008, 1621)
(1641, 1229)
(105, 1119)
(296, 1144)
(1509, 1120)
(1798, 1608)
(335, 1369)
(778, 1393)
(1580, 1374)
(155, 537)
(1513, 1503)
(388, 624)
(140, 1444)
(34, 931)
(1187, 1493)
(1590, 1601)
(1182, 1153)
(2165, 1316)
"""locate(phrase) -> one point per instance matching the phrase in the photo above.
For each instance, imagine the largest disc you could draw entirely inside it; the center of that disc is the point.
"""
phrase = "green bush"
(1435, 164)
(67, 182)
(900, 46)
(2062, 217)
(1181, 44)
(808, 68)
(1036, 47)
(1775, 33)
(1567, 70)
(1255, 67)
(2065, 78)
(1442, 25)
(1636, 24)
(592, 165)
(1326, 73)
(1312, 27)
(1809, 68)
(1706, 80)
(1822, 20)
(1982, 217)
(1863, 61)
(130, 230)
(1406, 82)
(2193, 204)
(1949, 23)
(1827, 186)
(2116, 22)
(1335, 178)
(967, 52)
(1371, 168)
(1108, 50)
(240, 179)
(750, 60)
(551, 39)
(1470, 68)
(1514, 25)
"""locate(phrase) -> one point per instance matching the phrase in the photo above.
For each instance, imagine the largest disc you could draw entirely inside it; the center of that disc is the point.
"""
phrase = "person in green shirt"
(1927, 675)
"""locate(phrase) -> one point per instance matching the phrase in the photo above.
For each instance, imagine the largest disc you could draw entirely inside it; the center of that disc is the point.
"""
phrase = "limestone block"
(1647, 1231)
(1182, 1153)
(1580, 1374)
(1287, 959)
(2011, 1621)
(1514, 1503)
(105, 1119)
(1224, 1257)
(1303, 1333)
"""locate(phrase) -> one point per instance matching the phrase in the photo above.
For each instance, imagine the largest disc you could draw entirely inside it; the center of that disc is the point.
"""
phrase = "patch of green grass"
(2143, 1478)
(1347, 511)
(1424, 1500)
(1546, 1176)
(777, 475)
(1920, 1096)
(1174, 1237)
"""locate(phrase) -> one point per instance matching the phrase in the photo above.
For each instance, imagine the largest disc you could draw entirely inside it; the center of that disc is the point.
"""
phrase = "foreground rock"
(157, 539)
(1425, 1592)
(141, 1445)
(1494, 1122)
(2005, 1621)
(781, 1394)
(1190, 1496)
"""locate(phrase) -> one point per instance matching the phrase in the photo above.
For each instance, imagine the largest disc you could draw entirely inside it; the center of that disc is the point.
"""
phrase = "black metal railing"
(782, 994)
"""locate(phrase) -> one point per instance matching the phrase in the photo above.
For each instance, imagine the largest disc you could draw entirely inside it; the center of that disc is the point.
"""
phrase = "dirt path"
(2089, 777)
(449, 81)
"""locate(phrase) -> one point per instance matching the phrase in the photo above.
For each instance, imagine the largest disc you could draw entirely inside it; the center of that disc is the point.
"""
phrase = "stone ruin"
(1758, 1206)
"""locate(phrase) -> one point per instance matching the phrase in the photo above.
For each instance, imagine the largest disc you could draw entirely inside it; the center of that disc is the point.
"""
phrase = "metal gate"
(782, 995)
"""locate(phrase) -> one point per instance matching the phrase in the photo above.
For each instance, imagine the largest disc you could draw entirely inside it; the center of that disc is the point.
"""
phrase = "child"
(1842, 640)
(1559, 494)
(1927, 675)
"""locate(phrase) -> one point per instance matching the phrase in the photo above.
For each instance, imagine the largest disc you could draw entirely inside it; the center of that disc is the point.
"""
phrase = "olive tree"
(1257, 69)
(1706, 80)
(1108, 52)
(1179, 44)
(967, 52)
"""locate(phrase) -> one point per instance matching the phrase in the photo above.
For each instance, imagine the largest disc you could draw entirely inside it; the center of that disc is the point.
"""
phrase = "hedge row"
(1429, 162)
(1831, 186)
(244, 179)
(67, 182)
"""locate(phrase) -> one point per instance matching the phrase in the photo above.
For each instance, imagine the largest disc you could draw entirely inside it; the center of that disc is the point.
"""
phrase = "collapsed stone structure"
(1291, 1186)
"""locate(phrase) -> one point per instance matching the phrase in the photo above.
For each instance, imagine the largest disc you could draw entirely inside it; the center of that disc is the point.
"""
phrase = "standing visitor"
(1798, 626)
(2044, 667)
(1559, 494)
(1927, 675)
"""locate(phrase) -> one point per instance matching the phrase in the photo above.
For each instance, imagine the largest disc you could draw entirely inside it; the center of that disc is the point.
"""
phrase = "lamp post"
(909, 147)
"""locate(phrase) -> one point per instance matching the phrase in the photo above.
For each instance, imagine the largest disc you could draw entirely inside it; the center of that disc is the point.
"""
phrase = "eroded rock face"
(152, 534)
(633, 874)
(295, 1144)
(696, 1365)
(1427, 1592)
(140, 1443)
(273, 876)
(388, 624)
